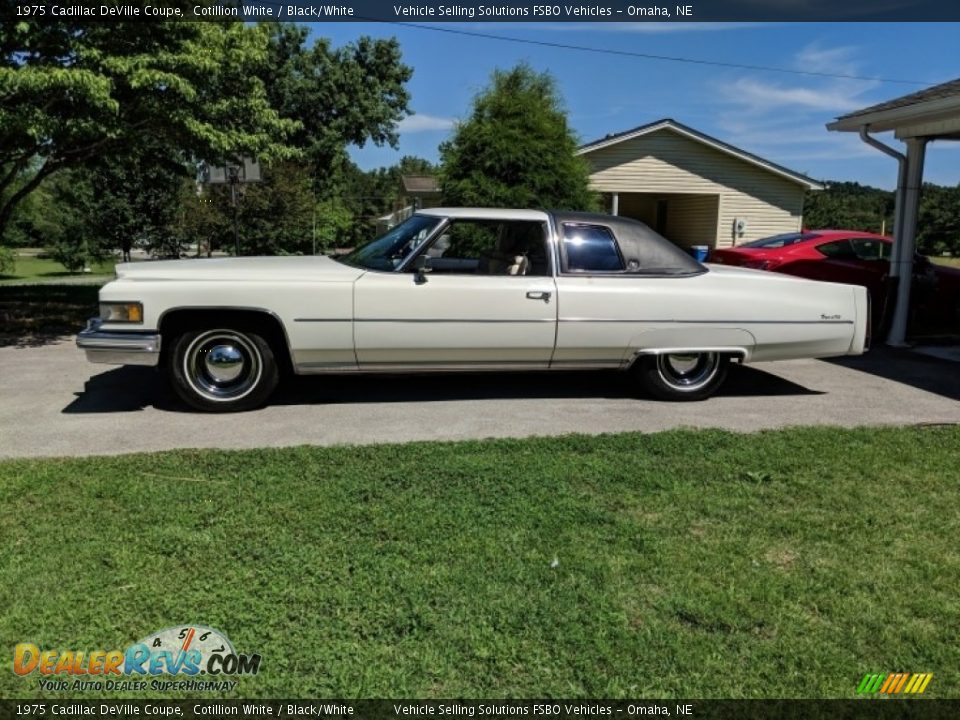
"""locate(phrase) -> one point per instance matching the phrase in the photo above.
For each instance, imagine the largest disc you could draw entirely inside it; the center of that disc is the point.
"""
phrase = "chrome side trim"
(321, 368)
(726, 350)
(740, 354)
(709, 322)
(119, 348)
(323, 320)
(453, 320)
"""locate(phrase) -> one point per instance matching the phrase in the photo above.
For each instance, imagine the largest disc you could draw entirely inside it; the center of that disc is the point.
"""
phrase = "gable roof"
(697, 136)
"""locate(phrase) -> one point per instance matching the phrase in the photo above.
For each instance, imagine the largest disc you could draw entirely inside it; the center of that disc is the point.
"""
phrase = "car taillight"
(869, 333)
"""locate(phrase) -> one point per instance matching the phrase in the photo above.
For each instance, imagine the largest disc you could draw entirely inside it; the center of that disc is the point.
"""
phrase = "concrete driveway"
(53, 402)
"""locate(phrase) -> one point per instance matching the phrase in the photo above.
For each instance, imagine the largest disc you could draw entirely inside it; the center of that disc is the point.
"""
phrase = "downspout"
(896, 262)
(901, 184)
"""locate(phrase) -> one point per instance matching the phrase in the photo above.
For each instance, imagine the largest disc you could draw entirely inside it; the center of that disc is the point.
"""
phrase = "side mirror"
(421, 266)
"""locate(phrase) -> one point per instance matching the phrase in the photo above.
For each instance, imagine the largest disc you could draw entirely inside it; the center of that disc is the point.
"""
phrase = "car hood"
(291, 267)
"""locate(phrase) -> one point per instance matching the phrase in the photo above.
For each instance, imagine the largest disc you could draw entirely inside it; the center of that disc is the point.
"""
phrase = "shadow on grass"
(130, 389)
(36, 315)
(940, 377)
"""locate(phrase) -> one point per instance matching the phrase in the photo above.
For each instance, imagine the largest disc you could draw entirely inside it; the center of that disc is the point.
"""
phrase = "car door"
(486, 298)
(840, 263)
(873, 265)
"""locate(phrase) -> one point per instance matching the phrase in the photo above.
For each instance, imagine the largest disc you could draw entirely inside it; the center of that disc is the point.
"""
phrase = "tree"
(516, 149)
(938, 226)
(372, 194)
(73, 91)
(135, 199)
(350, 95)
(850, 206)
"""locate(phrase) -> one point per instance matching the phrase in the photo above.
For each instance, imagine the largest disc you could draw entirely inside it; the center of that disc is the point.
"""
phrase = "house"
(693, 188)
(416, 191)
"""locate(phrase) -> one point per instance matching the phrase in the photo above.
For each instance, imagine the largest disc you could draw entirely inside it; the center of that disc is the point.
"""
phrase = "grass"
(680, 564)
(949, 261)
(31, 314)
(34, 268)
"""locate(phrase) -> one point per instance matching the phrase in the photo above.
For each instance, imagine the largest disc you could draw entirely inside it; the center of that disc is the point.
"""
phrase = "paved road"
(52, 402)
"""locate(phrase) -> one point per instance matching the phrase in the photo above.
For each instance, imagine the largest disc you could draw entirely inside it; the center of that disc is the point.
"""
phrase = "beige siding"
(665, 163)
(692, 219)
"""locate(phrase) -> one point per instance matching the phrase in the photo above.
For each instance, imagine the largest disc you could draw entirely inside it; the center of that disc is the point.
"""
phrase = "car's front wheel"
(222, 369)
(682, 376)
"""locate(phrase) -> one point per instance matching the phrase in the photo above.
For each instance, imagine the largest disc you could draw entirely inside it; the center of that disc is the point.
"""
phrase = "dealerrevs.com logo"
(186, 652)
(894, 683)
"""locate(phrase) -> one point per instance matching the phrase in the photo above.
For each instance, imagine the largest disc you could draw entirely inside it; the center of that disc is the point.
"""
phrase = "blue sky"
(778, 116)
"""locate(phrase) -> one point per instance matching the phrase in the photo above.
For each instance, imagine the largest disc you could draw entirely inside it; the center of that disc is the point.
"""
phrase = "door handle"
(539, 295)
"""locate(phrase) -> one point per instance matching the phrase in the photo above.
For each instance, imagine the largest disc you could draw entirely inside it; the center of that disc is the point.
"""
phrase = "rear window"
(778, 241)
(590, 248)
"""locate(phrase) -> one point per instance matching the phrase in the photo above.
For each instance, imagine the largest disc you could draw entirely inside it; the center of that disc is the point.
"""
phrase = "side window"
(838, 250)
(482, 247)
(589, 248)
(869, 249)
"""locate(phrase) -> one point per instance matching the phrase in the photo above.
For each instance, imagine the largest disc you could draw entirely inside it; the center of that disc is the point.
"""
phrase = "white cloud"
(835, 95)
(815, 58)
(760, 96)
(419, 122)
(784, 118)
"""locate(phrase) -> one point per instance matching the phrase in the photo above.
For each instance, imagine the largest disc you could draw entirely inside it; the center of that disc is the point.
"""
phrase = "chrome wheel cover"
(222, 365)
(688, 372)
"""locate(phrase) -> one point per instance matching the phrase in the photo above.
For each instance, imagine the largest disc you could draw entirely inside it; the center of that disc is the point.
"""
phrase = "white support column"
(898, 220)
(906, 239)
(615, 203)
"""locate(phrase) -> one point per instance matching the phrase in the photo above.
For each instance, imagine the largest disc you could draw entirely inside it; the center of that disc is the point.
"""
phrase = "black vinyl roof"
(644, 251)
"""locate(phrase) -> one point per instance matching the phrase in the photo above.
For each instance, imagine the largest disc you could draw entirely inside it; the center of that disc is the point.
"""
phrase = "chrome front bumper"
(119, 348)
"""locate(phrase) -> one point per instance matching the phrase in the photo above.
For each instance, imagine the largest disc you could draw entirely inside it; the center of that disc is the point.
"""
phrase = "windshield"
(388, 251)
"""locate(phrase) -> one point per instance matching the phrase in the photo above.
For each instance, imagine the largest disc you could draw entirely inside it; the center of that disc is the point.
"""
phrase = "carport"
(917, 120)
(686, 218)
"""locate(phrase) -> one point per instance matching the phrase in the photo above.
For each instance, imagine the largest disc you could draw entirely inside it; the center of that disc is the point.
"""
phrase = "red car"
(856, 258)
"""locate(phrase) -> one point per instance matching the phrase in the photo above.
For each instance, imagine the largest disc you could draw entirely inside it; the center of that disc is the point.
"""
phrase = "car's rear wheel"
(682, 376)
(222, 369)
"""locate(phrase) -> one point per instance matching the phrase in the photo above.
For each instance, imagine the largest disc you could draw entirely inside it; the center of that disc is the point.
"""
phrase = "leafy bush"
(72, 255)
(7, 261)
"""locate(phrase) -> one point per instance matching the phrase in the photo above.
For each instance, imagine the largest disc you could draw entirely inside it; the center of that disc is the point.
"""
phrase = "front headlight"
(121, 312)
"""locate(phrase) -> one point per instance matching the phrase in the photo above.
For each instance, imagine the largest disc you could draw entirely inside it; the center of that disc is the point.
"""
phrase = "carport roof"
(703, 138)
(923, 108)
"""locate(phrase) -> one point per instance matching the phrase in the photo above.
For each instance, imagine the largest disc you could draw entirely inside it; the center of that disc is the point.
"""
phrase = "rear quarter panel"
(761, 316)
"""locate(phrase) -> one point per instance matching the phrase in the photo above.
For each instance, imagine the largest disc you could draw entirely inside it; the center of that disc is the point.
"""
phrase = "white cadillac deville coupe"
(468, 289)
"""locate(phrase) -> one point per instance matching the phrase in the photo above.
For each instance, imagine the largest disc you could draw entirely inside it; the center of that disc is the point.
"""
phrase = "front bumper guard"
(119, 348)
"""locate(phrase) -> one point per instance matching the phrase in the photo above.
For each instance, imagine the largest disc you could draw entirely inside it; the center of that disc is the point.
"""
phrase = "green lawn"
(35, 313)
(33, 268)
(686, 563)
(951, 261)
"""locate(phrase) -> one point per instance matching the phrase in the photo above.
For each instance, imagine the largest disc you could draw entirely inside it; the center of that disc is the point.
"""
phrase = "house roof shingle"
(937, 92)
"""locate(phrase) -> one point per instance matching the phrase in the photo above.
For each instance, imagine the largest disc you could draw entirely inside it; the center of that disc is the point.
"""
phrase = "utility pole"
(233, 173)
